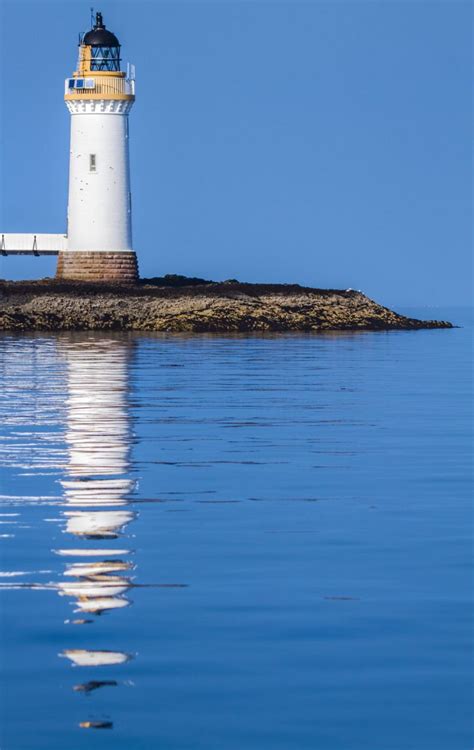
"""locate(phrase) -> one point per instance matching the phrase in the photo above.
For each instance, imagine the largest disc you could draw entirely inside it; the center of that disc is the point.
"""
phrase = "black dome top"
(99, 36)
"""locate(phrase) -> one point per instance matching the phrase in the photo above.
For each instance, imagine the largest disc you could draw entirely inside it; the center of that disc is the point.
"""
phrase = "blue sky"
(325, 143)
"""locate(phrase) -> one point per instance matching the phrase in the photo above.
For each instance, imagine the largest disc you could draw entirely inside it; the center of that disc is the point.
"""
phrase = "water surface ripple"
(235, 542)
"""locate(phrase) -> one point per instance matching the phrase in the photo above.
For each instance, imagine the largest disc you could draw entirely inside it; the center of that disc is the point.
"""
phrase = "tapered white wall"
(99, 206)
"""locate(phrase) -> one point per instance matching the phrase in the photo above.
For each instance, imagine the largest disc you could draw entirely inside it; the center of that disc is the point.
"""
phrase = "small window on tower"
(92, 163)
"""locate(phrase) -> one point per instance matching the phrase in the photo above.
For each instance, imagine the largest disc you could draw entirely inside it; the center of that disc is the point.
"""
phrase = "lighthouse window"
(105, 58)
(92, 163)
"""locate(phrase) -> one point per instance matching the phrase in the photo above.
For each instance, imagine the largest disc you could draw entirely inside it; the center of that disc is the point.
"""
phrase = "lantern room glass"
(105, 58)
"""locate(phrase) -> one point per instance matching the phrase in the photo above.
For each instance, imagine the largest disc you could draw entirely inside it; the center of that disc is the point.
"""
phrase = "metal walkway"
(32, 244)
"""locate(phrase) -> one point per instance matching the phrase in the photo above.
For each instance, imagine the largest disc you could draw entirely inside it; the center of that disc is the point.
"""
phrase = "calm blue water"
(228, 543)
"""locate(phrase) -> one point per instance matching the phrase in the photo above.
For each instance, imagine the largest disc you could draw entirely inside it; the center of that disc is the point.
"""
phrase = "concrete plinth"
(76, 265)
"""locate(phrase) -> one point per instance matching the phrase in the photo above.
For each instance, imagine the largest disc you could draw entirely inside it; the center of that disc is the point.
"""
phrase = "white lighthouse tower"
(99, 97)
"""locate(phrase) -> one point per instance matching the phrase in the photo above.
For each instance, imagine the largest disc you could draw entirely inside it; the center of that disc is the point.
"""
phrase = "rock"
(169, 304)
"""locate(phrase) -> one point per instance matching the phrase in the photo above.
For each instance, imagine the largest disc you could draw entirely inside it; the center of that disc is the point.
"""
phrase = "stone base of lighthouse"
(78, 265)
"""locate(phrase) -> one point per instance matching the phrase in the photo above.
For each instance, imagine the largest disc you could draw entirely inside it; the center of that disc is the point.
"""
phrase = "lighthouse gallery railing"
(101, 85)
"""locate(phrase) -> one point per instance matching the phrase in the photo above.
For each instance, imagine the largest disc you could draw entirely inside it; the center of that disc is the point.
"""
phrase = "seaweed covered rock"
(177, 304)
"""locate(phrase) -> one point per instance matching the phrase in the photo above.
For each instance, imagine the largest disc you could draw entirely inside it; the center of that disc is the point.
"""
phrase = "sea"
(237, 542)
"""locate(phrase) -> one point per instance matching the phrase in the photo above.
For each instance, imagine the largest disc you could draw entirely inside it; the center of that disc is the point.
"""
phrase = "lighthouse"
(98, 244)
(99, 97)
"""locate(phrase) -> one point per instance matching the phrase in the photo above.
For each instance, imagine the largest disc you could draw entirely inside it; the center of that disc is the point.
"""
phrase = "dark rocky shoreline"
(180, 304)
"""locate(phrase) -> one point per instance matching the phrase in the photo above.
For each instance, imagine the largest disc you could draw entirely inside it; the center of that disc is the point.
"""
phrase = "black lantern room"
(105, 47)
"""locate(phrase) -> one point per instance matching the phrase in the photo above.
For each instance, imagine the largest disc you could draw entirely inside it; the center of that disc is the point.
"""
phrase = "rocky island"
(181, 304)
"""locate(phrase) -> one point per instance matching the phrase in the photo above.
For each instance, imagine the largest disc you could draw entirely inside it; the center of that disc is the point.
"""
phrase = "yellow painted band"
(99, 74)
(98, 97)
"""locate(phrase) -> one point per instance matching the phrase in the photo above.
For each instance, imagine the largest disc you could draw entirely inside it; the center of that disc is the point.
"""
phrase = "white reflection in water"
(99, 604)
(96, 552)
(96, 486)
(83, 658)
(97, 524)
(102, 491)
(90, 569)
(98, 430)
(94, 419)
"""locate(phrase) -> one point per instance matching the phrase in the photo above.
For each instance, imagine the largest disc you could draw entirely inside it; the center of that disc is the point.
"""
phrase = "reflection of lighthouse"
(98, 438)
(97, 485)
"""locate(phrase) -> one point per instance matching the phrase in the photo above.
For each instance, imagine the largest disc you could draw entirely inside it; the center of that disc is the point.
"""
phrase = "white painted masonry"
(99, 205)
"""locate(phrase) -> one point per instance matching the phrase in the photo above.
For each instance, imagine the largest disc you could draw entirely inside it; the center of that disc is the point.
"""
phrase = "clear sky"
(325, 143)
